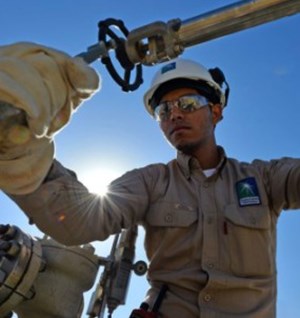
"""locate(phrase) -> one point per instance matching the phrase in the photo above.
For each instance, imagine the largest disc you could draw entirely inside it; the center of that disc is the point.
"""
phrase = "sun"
(97, 180)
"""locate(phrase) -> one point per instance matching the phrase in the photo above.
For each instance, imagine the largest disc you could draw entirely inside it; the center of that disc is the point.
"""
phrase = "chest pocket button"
(169, 218)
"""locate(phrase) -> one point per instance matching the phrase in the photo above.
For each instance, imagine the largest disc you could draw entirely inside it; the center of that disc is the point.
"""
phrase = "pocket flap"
(171, 214)
(256, 217)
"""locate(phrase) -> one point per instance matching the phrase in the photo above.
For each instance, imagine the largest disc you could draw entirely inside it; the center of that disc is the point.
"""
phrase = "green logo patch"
(247, 192)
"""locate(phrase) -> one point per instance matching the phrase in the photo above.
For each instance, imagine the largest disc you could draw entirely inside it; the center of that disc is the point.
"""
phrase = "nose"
(175, 113)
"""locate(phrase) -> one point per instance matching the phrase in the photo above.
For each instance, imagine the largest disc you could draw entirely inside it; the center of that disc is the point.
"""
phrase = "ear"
(217, 113)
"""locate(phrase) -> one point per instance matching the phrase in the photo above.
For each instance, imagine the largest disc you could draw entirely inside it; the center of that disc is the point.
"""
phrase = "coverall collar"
(189, 163)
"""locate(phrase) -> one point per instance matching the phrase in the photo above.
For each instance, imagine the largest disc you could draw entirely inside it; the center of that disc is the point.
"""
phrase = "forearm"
(282, 181)
(65, 210)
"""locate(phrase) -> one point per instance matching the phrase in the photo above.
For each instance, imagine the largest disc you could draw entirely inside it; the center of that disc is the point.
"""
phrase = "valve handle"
(105, 32)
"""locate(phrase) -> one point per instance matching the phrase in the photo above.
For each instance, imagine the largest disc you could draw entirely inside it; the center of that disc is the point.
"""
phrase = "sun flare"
(97, 180)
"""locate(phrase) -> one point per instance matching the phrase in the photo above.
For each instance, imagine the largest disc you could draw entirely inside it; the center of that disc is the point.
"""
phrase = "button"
(207, 297)
(169, 218)
(253, 220)
(205, 184)
(210, 265)
(210, 220)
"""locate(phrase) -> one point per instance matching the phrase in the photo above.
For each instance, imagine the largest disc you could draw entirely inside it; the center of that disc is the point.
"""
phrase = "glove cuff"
(25, 174)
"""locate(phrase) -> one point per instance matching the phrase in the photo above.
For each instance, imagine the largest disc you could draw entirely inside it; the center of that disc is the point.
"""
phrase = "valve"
(111, 291)
(107, 35)
(140, 268)
(42, 278)
(20, 262)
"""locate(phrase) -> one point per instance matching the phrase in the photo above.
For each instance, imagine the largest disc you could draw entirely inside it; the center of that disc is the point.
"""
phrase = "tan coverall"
(211, 240)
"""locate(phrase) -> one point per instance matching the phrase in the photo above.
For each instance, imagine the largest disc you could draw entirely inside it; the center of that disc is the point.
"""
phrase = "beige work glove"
(46, 86)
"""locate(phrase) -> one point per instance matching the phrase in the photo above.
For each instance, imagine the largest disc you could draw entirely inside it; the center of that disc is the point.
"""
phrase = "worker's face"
(187, 131)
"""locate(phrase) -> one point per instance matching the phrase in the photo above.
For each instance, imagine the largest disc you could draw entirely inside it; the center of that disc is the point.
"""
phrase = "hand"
(3, 229)
(14, 129)
(40, 88)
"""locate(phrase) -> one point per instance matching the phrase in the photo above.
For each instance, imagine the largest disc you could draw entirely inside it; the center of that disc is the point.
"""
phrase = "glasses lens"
(188, 103)
(161, 111)
(191, 103)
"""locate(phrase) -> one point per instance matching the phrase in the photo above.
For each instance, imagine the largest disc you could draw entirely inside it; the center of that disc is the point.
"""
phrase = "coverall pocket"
(170, 233)
(171, 215)
(250, 241)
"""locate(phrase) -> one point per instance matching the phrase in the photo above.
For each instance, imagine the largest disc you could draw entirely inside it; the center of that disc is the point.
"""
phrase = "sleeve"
(282, 180)
(64, 209)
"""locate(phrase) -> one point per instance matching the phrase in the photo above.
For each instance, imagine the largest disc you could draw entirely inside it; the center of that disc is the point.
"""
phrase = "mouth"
(178, 129)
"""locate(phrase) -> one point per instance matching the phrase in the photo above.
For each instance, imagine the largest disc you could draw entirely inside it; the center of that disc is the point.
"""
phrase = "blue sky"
(111, 133)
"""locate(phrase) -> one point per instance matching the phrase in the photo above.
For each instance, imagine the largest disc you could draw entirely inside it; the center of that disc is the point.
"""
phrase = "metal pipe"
(233, 18)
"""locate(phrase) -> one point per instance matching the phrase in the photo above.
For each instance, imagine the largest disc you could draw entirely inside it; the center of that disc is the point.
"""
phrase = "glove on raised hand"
(48, 85)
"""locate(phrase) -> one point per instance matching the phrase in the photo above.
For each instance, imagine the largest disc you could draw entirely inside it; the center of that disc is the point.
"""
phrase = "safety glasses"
(186, 104)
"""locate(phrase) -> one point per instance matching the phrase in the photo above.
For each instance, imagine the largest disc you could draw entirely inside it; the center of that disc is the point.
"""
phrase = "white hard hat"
(183, 71)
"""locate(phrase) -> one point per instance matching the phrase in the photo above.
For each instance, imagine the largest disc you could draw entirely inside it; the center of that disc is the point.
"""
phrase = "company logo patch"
(168, 67)
(247, 192)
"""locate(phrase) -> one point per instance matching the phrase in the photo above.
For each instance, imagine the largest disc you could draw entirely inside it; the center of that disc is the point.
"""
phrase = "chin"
(183, 145)
(187, 147)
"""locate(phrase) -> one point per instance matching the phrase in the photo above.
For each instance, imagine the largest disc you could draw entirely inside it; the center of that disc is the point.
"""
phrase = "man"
(210, 221)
